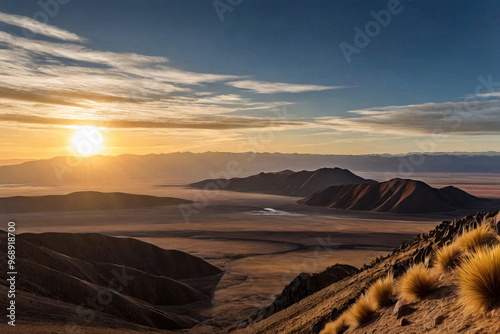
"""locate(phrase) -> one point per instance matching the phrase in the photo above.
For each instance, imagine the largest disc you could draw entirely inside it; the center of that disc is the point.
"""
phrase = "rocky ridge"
(311, 313)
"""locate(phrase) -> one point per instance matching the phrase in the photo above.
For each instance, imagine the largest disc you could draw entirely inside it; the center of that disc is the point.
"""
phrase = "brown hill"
(287, 182)
(127, 252)
(82, 201)
(128, 279)
(395, 196)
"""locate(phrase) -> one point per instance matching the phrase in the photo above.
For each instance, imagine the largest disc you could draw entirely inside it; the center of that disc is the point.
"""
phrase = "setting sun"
(87, 141)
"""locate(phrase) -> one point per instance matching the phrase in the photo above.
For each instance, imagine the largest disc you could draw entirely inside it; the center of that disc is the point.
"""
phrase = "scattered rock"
(404, 322)
(402, 309)
(439, 320)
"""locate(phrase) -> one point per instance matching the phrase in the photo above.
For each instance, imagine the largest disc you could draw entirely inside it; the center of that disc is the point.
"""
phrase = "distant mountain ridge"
(185, 167)
(82, 201)
(395, 196)
(287, 182)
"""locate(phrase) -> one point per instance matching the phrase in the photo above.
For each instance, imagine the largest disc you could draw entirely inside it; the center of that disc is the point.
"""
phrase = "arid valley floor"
(259, 250)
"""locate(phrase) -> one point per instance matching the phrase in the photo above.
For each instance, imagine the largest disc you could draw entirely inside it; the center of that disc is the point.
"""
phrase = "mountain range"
(287, 182)
(183, 168)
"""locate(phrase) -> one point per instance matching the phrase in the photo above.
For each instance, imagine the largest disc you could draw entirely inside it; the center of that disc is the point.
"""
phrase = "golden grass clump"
(360, 312)
(447, 257)
(417, 282)
(338, 326)
(473, 240)
(382, 292)
(479, 280)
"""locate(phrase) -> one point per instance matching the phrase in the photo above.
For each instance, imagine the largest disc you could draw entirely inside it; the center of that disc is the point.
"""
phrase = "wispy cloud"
(208, 123)
(278, 87)
(488, 95)
(40, 28)
(480, 117)
(62, 83)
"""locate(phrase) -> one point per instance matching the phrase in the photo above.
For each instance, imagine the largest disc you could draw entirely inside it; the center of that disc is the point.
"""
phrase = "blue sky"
(264, 56)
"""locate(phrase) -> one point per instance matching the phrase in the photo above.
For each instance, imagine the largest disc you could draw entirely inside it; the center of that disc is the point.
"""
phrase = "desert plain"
(260, 241)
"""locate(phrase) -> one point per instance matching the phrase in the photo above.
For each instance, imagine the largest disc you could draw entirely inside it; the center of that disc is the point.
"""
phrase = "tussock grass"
(417, 282)
(338, 326)
(382, 293)
(473, 240)
(447, 257)
(360, 312)
(479, 280)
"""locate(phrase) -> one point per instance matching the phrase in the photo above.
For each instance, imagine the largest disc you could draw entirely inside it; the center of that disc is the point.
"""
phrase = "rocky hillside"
(438, 313)
(305, 285)
(394, 196)
(287, 182)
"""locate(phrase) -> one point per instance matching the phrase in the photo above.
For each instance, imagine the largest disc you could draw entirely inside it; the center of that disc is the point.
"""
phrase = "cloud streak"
(262, 87)
(481, 117)
(37, 27)
(207, 123)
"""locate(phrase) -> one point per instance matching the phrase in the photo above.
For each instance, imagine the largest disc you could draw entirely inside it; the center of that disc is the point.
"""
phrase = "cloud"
(278, 87)
(208, 123)
(64, 98)
(78, 52)
(488, 95)
(37, 27)
(456, 118)
(62, 83)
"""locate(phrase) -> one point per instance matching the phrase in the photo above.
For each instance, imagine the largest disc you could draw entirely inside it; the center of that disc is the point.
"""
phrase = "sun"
(87, 141)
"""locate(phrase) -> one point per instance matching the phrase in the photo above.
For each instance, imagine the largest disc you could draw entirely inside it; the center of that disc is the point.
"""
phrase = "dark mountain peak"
(290, 183)
(396, 196)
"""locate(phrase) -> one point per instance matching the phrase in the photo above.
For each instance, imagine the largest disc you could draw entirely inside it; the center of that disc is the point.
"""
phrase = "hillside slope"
(102, 276)
(394, 196)
(287, 182)
(312, 313)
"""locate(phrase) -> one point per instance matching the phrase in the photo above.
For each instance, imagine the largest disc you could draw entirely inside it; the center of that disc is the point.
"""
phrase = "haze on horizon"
(168, 76)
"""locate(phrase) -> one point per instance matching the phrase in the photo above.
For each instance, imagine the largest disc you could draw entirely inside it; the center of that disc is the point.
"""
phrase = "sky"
(326, 77)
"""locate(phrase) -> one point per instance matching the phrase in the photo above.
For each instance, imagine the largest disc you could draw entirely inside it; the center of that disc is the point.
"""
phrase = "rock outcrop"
(305, 285)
